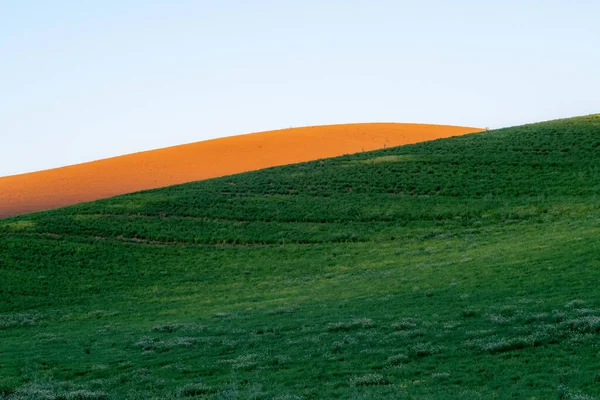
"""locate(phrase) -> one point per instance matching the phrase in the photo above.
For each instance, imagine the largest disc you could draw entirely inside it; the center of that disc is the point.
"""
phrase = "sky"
(82, 80)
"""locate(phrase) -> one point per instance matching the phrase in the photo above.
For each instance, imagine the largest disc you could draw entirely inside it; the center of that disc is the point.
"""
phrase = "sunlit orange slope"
(191, 162)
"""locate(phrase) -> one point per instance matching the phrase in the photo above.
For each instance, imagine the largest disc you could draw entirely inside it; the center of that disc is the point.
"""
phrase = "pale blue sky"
(82, 80)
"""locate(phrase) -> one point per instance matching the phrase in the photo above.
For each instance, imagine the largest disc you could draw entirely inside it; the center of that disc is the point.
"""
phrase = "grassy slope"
(460, 268)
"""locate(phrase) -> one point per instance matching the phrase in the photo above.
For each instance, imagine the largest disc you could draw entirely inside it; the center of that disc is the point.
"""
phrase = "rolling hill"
(459, 268)
(208, 159)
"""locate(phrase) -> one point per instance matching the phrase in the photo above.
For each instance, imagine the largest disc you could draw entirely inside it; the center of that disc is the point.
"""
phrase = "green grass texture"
(461, 268)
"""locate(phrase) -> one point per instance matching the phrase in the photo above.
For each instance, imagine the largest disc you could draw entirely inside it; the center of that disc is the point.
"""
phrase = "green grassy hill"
(463, 268)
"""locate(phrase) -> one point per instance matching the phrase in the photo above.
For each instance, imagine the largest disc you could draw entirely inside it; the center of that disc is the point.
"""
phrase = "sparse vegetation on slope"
(461, 268)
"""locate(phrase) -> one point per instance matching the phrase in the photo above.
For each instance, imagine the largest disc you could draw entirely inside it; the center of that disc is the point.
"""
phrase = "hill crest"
(213, 158)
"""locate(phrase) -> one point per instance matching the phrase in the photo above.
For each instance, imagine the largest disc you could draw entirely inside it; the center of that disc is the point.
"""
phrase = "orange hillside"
(212, 158)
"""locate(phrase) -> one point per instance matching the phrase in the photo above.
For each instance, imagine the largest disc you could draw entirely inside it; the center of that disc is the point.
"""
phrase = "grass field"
(462, 268)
